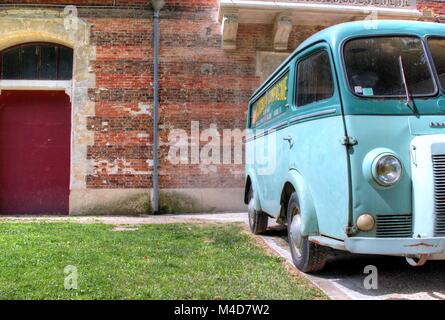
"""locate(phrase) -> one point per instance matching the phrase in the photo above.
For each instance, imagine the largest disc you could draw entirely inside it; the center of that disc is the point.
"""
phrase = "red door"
(35, 129)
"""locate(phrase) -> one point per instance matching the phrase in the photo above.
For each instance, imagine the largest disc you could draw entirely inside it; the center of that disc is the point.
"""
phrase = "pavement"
(343, 277)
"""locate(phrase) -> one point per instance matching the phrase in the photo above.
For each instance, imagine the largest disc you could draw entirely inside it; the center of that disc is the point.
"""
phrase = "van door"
(316, 126)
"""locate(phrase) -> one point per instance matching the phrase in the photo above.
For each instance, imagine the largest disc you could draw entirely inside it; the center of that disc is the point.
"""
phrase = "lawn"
(181, 261)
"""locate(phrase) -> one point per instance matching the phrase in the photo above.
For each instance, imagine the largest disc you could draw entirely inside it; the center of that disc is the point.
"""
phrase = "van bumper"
(395, 246)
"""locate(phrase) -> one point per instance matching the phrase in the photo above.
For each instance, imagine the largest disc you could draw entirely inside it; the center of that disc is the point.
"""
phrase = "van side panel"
(270, 176)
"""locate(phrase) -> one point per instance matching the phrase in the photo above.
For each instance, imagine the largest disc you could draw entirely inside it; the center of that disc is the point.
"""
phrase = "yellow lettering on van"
(276, 93)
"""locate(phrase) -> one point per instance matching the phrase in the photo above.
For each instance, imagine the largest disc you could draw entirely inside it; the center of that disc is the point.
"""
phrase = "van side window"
(314, 79)
(271, 104)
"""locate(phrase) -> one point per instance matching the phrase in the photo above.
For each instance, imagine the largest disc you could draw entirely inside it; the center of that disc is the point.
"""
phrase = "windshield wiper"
(409, 101)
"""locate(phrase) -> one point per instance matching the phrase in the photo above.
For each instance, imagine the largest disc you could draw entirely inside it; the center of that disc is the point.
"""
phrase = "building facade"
(76, 96)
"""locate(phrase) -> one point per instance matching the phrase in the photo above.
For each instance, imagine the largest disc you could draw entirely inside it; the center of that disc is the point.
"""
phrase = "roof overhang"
(287, 13)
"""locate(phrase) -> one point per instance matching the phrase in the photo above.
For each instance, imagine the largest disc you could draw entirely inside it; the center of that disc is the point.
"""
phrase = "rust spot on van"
(421, 244)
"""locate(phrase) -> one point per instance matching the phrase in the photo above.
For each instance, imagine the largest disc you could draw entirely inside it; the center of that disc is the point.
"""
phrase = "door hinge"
(348, 141)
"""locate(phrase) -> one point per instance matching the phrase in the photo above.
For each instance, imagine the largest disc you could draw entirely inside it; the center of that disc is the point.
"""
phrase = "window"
(37, 61)
(314, 79)
(271, 104)
(373, 67)
(437, 47)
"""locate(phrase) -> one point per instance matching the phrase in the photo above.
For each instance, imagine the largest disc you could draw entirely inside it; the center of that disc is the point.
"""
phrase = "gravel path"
(122, 220)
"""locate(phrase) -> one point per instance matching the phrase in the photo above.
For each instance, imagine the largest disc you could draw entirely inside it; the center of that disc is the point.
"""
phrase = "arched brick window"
(37, 61)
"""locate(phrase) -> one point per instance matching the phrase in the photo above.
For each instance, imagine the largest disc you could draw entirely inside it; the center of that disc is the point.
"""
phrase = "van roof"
(336, 34)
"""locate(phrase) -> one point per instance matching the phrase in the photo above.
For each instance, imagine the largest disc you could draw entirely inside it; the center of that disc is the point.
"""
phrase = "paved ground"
(343, 276)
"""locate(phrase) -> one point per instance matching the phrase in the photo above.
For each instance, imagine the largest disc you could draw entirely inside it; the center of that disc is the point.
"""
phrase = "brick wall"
(437, 6)
(198, 81)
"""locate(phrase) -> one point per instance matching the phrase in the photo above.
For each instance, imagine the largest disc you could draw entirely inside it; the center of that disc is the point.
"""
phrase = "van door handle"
(288, 139)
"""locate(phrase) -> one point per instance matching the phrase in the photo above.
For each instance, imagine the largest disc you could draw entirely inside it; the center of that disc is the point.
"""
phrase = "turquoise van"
(346, 144)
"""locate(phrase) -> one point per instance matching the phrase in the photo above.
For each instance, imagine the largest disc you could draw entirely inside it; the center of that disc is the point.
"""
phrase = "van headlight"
(386, 170)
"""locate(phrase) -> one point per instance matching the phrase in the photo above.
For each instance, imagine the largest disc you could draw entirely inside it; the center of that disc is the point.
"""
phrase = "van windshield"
(374, 70)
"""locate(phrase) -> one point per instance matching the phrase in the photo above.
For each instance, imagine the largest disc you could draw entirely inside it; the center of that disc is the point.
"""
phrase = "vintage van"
(346, 144)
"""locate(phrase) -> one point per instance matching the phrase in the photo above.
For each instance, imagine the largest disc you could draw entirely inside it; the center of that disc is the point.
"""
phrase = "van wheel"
(307, 256)
(257, 219)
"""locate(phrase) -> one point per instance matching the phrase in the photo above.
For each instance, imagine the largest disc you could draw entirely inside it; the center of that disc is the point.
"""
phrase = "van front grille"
(439, 194)
(394, 226)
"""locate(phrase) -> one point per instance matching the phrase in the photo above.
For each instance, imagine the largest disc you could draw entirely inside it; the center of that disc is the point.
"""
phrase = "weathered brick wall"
(122, 123)
(198, 81)
(437, 6)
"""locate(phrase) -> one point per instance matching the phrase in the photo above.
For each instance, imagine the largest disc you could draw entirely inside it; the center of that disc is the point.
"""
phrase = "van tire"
(309, 257)
(257, 219)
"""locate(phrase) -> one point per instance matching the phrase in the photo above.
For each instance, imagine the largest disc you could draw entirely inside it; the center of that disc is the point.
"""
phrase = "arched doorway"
(35, 131)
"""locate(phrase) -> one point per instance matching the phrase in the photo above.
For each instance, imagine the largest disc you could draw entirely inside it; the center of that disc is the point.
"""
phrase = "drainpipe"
(157, 6)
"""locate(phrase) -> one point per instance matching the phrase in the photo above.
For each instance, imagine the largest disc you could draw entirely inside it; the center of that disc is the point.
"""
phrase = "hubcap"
(295, 239)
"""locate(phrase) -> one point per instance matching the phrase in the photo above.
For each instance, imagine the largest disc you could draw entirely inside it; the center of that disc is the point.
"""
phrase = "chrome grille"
(394, 226)
(439, 194)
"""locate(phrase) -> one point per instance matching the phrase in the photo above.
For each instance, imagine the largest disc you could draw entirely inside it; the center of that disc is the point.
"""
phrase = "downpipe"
(157, 6)
(155, 112)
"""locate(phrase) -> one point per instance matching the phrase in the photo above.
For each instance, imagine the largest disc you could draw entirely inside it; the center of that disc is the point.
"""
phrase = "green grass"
(155, 262)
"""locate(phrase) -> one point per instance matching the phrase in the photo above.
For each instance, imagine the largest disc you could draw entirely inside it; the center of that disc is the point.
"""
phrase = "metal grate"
(439, 194)
(394, 226)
